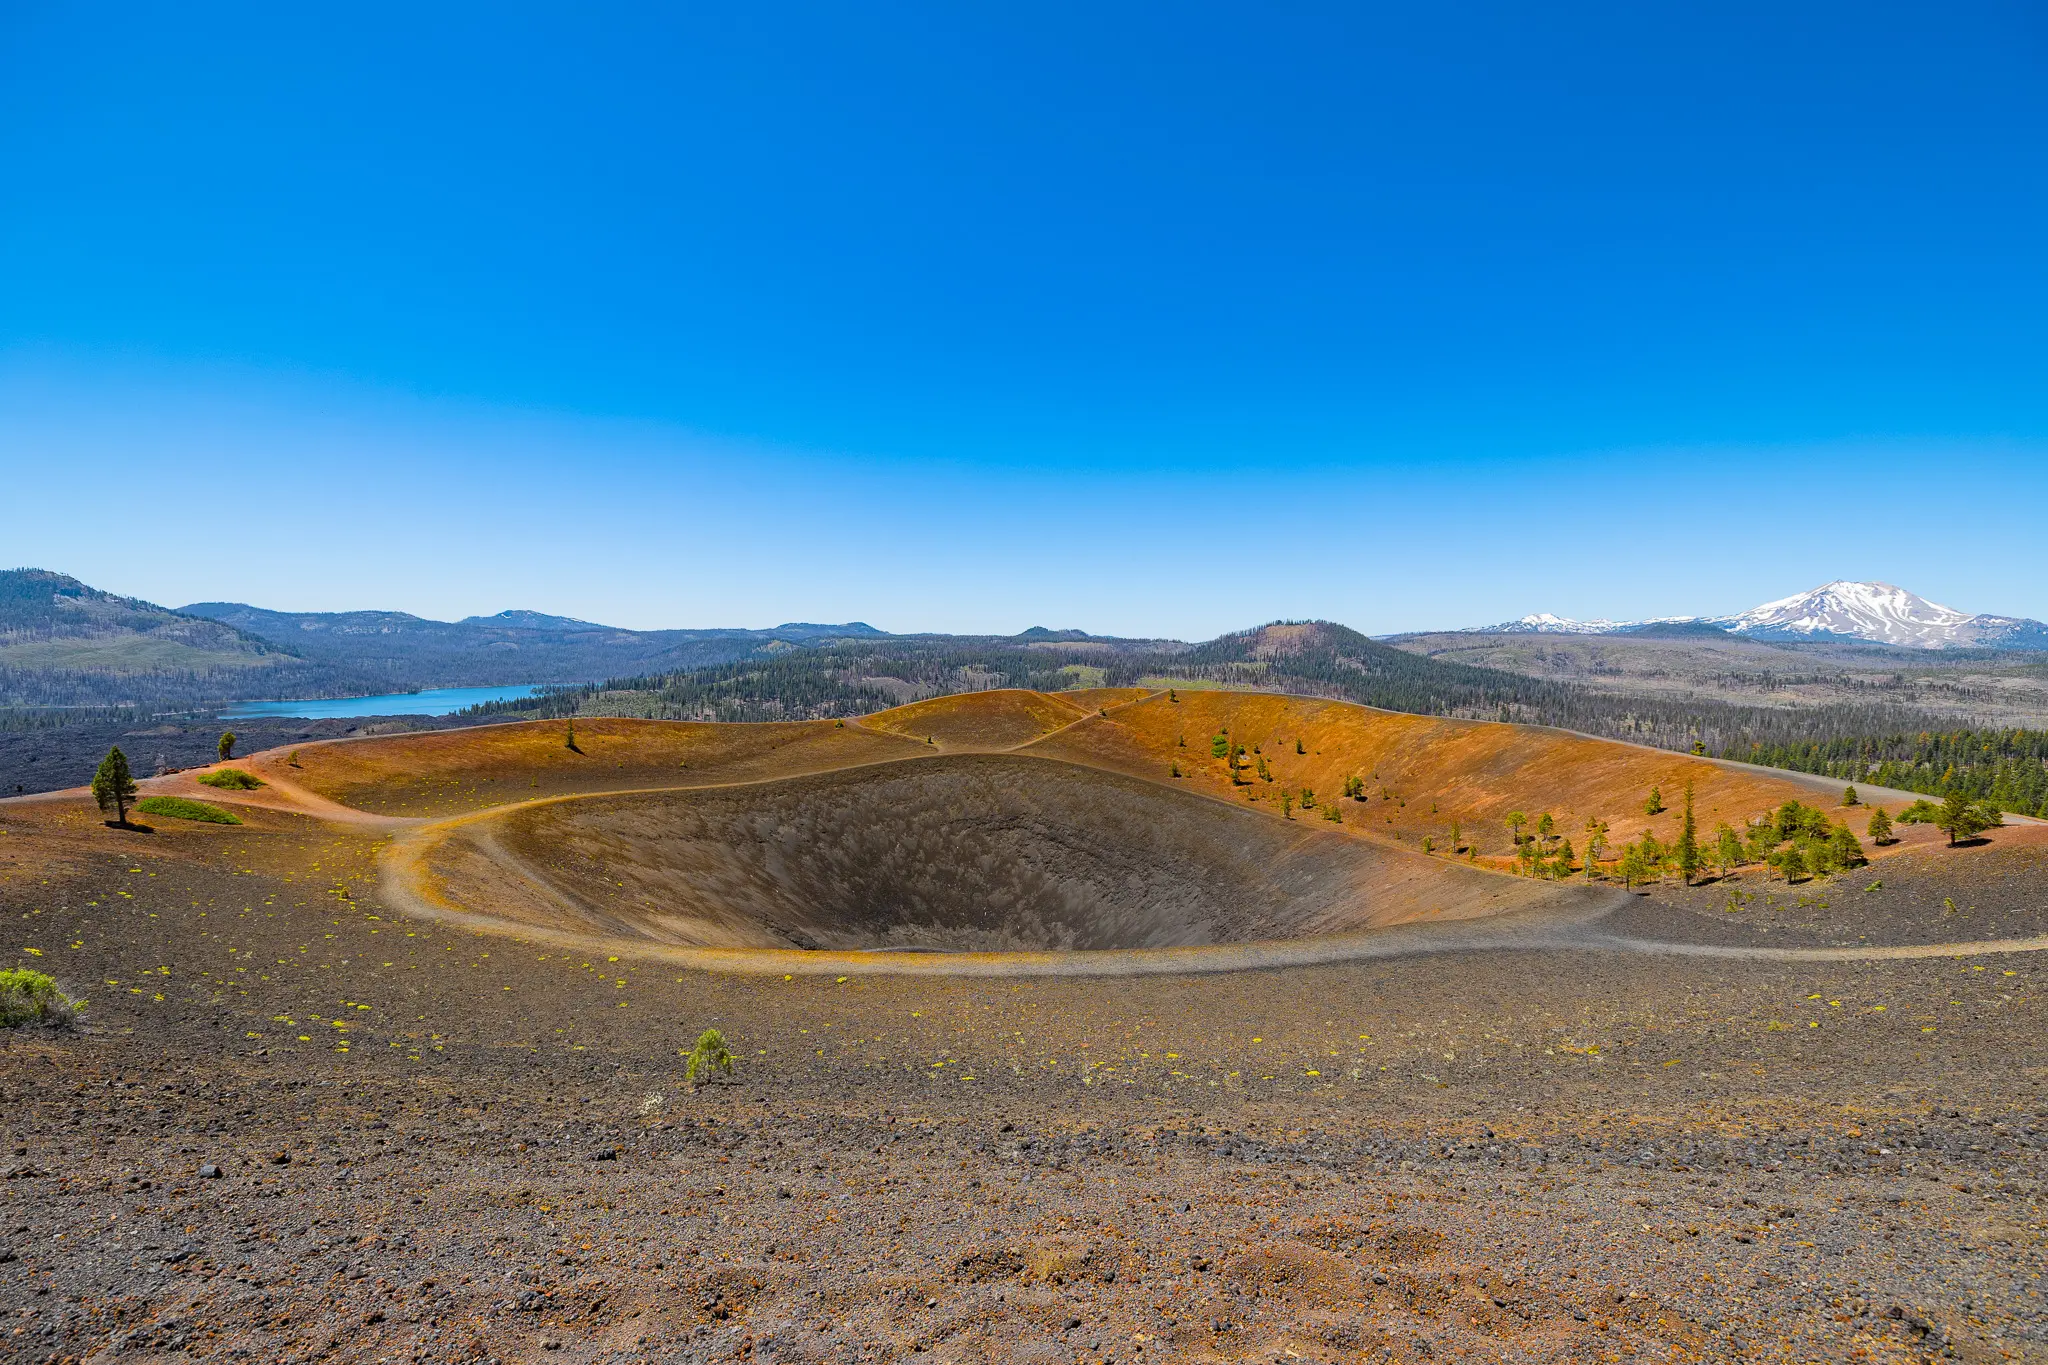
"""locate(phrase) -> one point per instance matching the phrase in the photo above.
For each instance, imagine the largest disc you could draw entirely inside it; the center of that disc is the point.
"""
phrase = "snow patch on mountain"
(1544, 623)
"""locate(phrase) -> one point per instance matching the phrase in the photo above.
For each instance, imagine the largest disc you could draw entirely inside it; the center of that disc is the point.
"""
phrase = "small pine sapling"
(709, 1055)
(1655, 804)
(1297, 745)
(225, 746)
(1881, 827)
(569, 739)
(1849, 797)
(1286, 804)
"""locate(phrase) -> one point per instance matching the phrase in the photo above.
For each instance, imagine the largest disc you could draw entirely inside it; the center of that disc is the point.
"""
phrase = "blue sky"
(1145, 320)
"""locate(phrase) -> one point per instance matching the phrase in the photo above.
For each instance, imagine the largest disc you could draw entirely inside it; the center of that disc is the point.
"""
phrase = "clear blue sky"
(1162, 319)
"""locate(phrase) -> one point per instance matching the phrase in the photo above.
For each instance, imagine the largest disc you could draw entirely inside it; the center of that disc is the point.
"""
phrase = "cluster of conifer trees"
(1796, 842)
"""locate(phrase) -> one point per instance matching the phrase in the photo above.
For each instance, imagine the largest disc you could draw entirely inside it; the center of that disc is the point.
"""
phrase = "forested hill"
(63, 643)
(403, 651)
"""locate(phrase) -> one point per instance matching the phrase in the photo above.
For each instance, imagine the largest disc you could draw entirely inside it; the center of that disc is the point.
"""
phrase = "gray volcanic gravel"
(435, 1146)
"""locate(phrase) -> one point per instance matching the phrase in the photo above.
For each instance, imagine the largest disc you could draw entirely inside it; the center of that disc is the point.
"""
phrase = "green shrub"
(711, 1054)
(232, 780)
(178, 808)
(29, 997)
(1921, 812)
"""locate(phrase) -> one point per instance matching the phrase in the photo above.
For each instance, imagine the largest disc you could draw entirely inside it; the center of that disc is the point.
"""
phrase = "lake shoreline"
(439, 701)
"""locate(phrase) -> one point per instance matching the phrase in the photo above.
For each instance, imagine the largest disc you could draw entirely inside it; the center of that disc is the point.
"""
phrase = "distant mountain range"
(1866, 613)
(516, 646)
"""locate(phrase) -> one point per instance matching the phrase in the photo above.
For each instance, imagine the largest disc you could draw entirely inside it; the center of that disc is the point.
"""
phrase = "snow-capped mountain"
(1876, 613)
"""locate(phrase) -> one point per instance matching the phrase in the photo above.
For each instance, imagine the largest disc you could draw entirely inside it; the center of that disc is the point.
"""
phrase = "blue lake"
(440, 701)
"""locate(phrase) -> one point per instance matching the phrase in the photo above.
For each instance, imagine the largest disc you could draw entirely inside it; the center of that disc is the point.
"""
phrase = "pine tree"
(1634, 866)
(1596, 841)
(1655, 804)
(1727, 849)
(1849, 797)
(226, 745)
(1793, 864)
(1515, 822)
(1960, 818)
(1881, 827)
(1688, 849)
(570, 739)
(1297, 745)
(113, 785)
(1286, 804)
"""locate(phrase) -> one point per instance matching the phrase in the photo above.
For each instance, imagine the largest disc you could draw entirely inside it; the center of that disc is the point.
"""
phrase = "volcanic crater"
(958, 853)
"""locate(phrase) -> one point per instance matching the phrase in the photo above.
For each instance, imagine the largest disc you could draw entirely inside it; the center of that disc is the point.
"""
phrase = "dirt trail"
(278, 793)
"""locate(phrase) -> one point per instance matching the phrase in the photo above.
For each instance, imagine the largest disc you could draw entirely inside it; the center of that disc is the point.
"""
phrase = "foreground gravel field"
(300, 1128)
